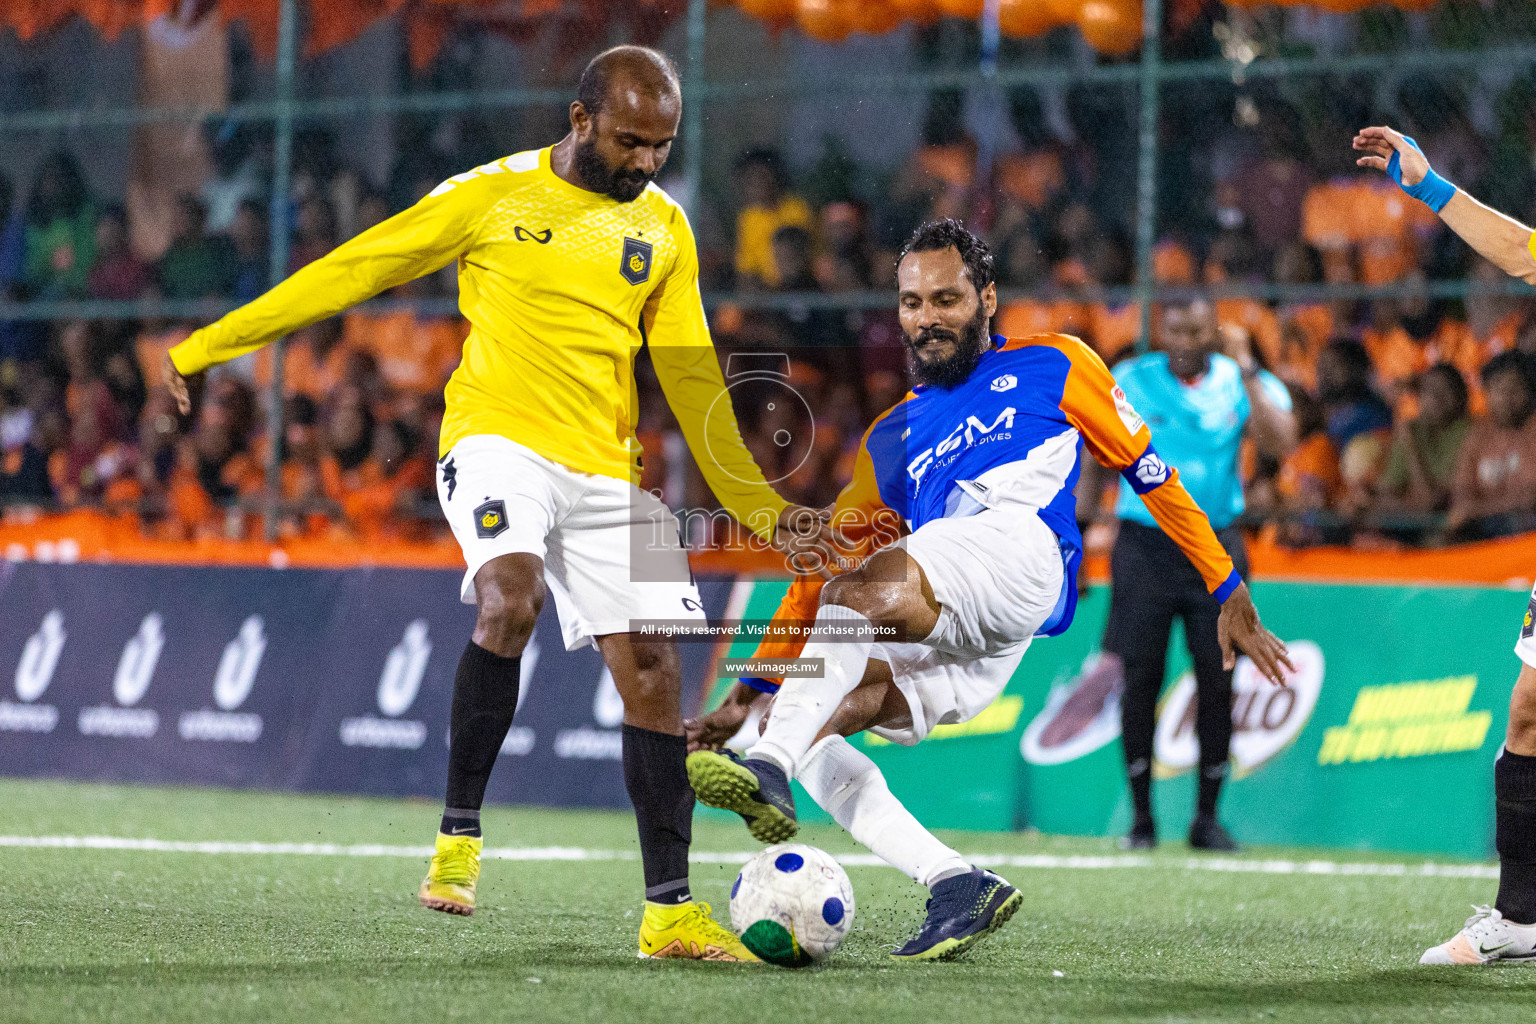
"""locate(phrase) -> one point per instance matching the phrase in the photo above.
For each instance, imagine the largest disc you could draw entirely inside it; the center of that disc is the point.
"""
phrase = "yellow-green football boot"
(962, 911)
(686, 931)
(451, 877)
(758, 790)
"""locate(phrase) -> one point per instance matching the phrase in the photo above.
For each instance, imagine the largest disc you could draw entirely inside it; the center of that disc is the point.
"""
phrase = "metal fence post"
(1146, 163)
(990, 98)
(277, 218)
(693, 107)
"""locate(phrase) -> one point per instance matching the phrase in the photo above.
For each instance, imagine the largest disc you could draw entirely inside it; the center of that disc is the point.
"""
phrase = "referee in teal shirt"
(1200, 393)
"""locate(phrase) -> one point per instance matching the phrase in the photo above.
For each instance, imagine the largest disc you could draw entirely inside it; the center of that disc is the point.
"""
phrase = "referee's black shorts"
(1153, 582)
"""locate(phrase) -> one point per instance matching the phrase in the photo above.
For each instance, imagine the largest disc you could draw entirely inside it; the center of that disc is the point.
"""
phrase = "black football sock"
(460, 821)
(1211, 778)
(484, 700)
(1514, 791)
(658, 786)
(1139, 774)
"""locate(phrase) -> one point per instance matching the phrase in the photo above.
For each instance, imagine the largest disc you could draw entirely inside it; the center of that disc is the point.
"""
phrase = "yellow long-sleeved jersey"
(556, 283)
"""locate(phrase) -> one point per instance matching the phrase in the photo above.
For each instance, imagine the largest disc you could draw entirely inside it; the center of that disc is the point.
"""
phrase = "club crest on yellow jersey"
(635, 264)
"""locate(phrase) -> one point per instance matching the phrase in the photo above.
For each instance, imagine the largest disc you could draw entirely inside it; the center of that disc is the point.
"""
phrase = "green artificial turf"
(132, 935)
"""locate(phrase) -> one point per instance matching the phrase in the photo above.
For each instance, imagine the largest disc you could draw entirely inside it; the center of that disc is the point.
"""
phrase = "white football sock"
(841, 637)
(849, 786)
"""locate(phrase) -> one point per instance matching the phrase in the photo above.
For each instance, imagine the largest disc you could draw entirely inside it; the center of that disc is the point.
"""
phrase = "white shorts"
(997, 576)
(612, 552)
(1525, 646)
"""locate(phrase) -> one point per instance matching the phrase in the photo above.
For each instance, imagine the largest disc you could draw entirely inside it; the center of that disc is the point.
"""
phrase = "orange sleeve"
(869, 525)
(1120, 439)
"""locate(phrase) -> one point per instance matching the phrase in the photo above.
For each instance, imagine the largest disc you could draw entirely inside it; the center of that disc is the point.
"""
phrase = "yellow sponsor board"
(999, 716)
(1413, 719)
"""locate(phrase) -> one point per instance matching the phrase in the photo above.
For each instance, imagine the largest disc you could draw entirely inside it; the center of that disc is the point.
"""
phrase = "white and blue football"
(792, 905)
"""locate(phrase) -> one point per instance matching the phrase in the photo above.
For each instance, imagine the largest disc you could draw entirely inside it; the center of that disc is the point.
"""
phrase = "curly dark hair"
(951, 234)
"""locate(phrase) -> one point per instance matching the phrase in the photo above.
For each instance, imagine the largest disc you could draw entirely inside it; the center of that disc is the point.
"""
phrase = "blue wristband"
(760, 684)
(1434, 191)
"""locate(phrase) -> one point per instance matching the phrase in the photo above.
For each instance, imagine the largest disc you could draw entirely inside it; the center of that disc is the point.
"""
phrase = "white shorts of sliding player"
(997, 576)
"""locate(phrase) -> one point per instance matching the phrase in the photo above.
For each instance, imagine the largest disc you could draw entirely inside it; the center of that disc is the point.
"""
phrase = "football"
(792, 905)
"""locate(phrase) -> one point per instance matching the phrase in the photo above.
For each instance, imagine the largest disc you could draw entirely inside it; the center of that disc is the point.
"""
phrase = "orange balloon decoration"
(968, 9)
(874, 17)
(920, 11)
(1020, 18)
(825, 20)
(923, 12)
(1063, 12)
(1112, 27)
(774, 11)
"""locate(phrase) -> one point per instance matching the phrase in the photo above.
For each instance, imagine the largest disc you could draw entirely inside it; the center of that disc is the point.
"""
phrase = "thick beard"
(949, 373)
(596, 176)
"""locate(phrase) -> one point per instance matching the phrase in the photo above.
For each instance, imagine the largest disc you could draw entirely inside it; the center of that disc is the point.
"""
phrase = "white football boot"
(1487, 938)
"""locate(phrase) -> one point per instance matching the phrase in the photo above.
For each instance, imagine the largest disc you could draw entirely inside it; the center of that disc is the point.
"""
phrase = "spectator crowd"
(1416, 412)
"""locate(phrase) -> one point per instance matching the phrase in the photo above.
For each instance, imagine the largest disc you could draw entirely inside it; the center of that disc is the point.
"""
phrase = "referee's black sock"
(484, 700)
(658, 786)
(1514, 791)
(1211, 778)
(1138, 773)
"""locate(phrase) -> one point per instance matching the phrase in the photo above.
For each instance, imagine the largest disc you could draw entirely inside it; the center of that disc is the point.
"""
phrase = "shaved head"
(624, 69)
(623, 121)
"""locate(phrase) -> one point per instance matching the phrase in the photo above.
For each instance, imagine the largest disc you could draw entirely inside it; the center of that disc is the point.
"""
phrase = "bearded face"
(944, 358)
(596, 176)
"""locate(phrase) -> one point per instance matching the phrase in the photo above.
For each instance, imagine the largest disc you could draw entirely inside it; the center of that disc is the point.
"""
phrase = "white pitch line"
(854, 860)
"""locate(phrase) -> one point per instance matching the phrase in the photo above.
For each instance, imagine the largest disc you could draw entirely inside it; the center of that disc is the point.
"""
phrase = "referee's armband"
(1147, 473)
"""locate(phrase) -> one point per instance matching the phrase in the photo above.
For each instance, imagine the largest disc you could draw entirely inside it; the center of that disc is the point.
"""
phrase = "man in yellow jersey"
(1506, 931)
(569, 257)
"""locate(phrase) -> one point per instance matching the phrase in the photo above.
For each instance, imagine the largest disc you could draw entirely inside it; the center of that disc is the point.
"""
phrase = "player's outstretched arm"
(689, 373)
(424, 238)
(1500, 239)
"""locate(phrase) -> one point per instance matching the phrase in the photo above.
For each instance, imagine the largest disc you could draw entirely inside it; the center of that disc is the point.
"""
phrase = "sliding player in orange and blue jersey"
(964, 493)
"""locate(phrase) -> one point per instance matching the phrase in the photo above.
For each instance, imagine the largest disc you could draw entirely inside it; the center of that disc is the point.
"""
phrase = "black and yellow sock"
(658, 786)
(1514, 791)
(484, 700)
